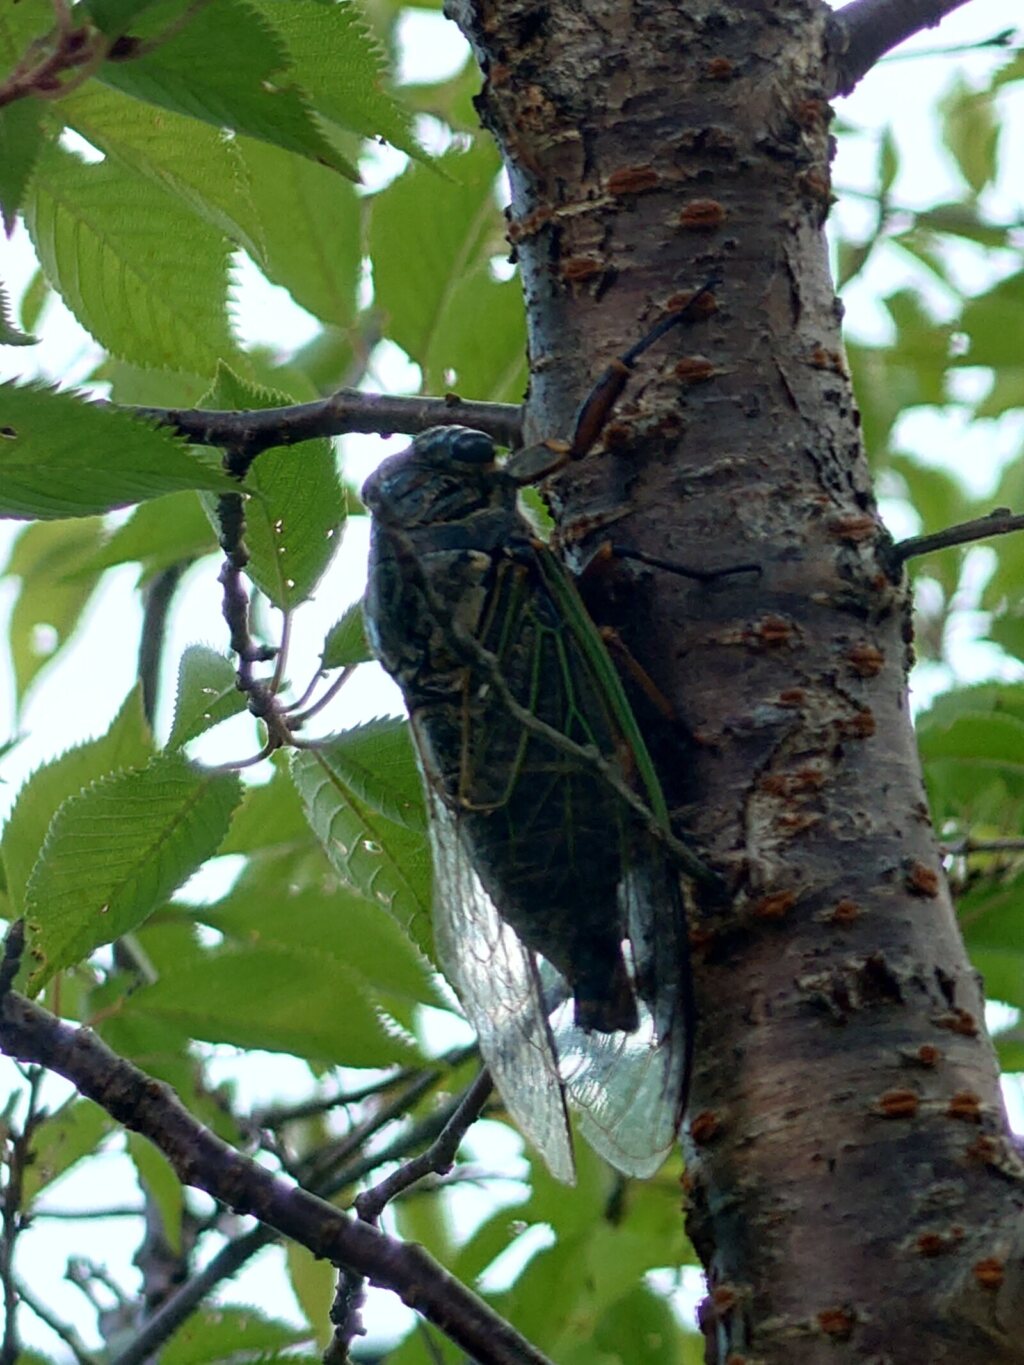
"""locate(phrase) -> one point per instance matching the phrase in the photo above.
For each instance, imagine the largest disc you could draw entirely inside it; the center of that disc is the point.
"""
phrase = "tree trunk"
(854, 1192)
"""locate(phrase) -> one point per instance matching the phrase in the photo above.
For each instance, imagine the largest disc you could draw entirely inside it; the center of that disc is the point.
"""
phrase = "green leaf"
(291, 526)
(309, 222)
(984, 739)
(159, 1183)
(994, 323)
(115, 851)
(72, 1132)
(192, 161)
(34, 299)
(49, 560)
(327, 920)
(256, 92)
(971, 133)
(432, 241)
(170, 530)
(1003, 974)
(9, 333)
(962, 220)
(341, 66)
(269, 817)
(161, 1047)
(207, 694)
(63, 457)
(113, 16)
(126, 744)
(227, 1333)
(313, 1281)
(363, 800)
(638, 1327)
(139, 270)
(346, 641)
(22, 135)
(284, 1000)
(888, 161)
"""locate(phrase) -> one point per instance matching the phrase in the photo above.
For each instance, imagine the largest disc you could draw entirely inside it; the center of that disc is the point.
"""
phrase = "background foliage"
(318, 946)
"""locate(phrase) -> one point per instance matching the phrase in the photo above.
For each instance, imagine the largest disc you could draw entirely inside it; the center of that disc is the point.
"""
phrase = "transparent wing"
(496, 980)
(630, 1088)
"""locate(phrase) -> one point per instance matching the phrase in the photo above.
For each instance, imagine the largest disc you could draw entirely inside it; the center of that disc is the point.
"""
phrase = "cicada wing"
(630, 1088)
(496, 979)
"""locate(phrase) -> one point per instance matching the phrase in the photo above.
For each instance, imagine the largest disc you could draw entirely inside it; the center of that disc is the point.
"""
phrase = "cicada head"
(448, 476)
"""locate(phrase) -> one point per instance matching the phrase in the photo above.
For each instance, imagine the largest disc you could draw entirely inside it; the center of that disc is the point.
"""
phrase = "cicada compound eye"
(470, 447)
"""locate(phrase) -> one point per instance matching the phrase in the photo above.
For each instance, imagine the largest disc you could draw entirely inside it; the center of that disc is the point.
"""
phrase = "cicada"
(558, 910)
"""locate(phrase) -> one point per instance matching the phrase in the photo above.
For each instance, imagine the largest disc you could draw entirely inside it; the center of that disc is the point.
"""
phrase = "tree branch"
(999, 522)
(865, 30)
(348, 410)
(230, 1259)
(203, 1160)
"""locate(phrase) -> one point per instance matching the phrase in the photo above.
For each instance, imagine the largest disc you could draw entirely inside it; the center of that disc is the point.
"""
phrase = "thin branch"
(999, 522)
(115, 1211)
(345, 411)
(156, 604)
(65, 48)
(864, 30)
(1003, 39)
(67, 1334)
(18, 1158)
(203, 1160)
(963, 848)
(230, 1259)
(439, 1157)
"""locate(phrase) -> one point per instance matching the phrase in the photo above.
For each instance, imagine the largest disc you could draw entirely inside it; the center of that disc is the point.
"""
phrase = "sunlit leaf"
(309, 225)
(301, 1001)
(257, 92)
(140, 271)
(341, 67)
(115, 851)
(159, 1184)
(207, 694)
(363, 800)
(127, 744)
(346, 640)
(63, 457)
(49, 561)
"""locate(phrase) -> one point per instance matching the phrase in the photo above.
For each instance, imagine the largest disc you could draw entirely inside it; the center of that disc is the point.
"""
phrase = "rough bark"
(854, 1193)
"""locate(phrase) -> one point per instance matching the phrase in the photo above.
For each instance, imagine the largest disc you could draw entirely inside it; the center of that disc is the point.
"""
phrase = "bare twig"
(999, 522)
(439, 1157)
(1003, 39)
(65, 48)
(232, 1257)
(345, 411)
(203, 1160)
(864, 30)
(963, 848)
(276, 1116)
(17, 1158)
(115, 1211)
(67, 1334)
(297, 718)
(156, 603)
